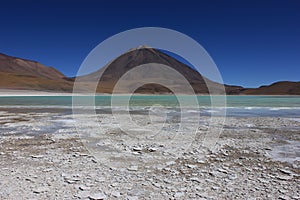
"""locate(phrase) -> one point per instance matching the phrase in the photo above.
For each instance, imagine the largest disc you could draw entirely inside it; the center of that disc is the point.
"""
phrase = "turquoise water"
(236, 105)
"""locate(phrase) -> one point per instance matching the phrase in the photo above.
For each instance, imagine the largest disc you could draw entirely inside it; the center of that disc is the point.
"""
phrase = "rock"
(223, 171)
(137, 148)
(156, 184)
(83, 187)
(133, 168)
(152, 149)
(115, 184)
(191, 166)
(178, 194)
(170, 163)
(47, 170)
(283, 197)
(196, 179)
(37, 156)
(97, 196)
(116, 194)
(201, 161)
(284, 177)
(29, 179)
(167, 181)
(286, 171)
(40, 190)
(132, 198)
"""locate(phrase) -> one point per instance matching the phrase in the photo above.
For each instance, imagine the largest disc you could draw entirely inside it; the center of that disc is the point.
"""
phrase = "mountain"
(23, 74)
(152, 57)
(278, 88)
(17, 73)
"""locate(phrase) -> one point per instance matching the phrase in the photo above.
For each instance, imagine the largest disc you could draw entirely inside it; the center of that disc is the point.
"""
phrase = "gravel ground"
(254, 158)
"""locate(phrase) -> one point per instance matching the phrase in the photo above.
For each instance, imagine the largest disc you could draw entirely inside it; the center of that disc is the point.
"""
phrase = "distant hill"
(278, 88)
(18, 73)
(23, 74)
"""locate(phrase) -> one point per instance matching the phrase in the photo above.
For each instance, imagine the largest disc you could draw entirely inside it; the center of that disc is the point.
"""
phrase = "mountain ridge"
(25, 74)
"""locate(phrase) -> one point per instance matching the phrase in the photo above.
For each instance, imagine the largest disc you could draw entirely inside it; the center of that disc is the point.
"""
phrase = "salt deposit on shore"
(42, 157)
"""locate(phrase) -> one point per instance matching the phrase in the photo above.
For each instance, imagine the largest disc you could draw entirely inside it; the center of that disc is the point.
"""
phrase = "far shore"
(12, 92)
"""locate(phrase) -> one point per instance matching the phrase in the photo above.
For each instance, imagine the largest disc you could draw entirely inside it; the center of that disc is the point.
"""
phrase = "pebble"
(152, 149)
(284, 177)
(285, 171)
(40, 190)
(137, 148)
(37, 156)
(83, 188)
(133, 168)
(97, 196)
(116, 194)
(178, 194)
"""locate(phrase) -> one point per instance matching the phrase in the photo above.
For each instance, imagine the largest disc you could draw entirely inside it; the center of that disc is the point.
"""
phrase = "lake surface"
(277, 106)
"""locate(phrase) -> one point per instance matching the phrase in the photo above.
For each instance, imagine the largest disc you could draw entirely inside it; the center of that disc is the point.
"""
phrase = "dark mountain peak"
(146, 55)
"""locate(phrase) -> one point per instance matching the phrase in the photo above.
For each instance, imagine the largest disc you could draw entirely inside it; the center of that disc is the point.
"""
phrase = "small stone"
(152, 149)
(191, 166)
(132, 198)
(47, 170)
(195, 179)
(97, 196)
(170, 163)
(284, 177)
(201, 161)
(116, 194)
(167, 181)
(178, 194)
(223, 171)
(133, 168)
(155, 184)
(37, 156)
(285, 171)
(40, 190)
(137, 148)
(83, 188)
(283, 198)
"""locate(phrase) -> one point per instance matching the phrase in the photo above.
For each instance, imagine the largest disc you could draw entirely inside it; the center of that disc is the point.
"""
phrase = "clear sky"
(253, 42)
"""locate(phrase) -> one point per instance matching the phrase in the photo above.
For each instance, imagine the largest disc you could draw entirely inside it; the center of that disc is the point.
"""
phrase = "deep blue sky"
(252, 42)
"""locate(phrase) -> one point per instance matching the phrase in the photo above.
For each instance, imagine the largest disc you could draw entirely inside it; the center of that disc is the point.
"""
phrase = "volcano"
(150, 59)
(23, 74)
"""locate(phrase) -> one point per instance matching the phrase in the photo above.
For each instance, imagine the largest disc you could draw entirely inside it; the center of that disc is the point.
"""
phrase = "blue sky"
(252, 42)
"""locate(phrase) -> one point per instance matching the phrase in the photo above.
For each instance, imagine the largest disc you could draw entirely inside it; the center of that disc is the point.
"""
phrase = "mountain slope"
(139, 56)
(278, 88)
(17, 73)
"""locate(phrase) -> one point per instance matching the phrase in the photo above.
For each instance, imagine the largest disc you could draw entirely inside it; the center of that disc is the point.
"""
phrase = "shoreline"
(20, 93)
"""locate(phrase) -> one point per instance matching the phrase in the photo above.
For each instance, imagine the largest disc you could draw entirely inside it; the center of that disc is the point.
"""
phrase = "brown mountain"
(144, 55)
(17, 73)
(278, 88)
